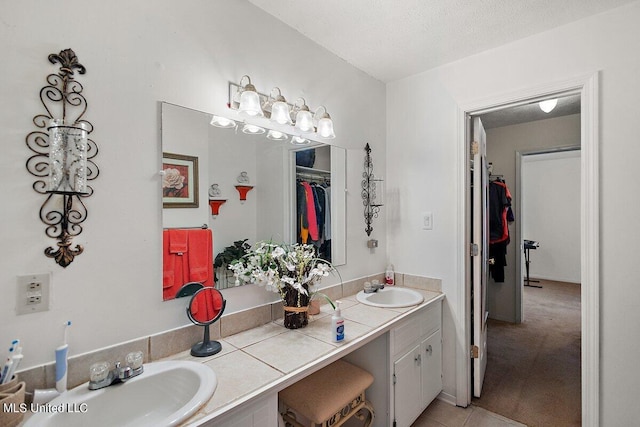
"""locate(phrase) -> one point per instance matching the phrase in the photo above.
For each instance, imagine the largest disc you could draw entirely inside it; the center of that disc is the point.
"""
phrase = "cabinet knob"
(429, 350)
(418, 358)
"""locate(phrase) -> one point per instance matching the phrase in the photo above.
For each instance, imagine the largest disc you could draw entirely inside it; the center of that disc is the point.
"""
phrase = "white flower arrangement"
(282, 268)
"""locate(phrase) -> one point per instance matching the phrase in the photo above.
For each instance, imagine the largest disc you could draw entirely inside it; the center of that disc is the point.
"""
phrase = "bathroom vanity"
(401, 347)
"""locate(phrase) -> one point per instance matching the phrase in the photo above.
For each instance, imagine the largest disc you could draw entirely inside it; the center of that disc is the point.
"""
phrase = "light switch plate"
(33, 293)
(427, 220)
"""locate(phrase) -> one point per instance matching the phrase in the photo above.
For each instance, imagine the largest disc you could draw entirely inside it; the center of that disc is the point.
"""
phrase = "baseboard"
(502, 319)
(447, 398)
(554, 279)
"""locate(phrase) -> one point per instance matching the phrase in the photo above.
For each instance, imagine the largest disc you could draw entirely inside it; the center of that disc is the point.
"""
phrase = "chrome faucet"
(100, 376)
(371, 287)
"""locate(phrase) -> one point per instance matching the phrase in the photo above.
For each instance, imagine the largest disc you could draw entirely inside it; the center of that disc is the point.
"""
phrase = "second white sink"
(391, 297)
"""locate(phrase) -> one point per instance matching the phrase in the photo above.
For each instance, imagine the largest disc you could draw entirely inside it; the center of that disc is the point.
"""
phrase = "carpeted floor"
(533, 369)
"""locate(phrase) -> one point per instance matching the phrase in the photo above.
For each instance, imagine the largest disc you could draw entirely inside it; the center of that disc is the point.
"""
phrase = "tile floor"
(441, 414)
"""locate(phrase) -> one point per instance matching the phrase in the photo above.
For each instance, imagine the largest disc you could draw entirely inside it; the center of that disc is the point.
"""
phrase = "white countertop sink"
(165, 394)
(391, 297)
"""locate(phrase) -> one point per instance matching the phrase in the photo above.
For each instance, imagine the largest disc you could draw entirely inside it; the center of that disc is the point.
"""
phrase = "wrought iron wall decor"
(372, 191)
(63, 159)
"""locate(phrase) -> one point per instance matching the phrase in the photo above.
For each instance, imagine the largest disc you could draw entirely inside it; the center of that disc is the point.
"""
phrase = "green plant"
(230, 254)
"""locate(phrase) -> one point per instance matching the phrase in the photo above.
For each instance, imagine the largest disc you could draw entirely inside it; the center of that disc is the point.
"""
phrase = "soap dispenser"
(337, 324)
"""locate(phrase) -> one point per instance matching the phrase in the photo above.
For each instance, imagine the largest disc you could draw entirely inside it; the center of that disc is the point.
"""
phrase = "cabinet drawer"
(430, 320)
(421, 324)
(405, 335)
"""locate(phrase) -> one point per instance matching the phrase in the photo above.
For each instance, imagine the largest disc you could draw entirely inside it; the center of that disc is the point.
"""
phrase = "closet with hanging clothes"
(313, 199)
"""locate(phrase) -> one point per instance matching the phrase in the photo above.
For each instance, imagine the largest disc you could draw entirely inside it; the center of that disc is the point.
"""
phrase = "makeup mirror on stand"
(206, 306)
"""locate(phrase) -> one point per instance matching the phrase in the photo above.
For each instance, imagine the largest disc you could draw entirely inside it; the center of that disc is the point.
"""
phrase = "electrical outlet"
(33, 293)
(35, 299)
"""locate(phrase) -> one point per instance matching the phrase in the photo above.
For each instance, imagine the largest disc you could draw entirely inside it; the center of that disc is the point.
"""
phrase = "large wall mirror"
(275, 169)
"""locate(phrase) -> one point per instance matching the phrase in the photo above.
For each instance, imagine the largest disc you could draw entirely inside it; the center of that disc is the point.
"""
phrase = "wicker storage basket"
(11, 397)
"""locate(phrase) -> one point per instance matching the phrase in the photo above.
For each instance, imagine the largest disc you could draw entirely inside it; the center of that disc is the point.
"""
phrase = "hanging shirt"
(302, 223)
(327, 213)
(499, 210)
(311, 211)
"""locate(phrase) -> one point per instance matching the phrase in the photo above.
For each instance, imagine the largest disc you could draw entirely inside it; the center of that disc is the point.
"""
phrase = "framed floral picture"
(179, 181)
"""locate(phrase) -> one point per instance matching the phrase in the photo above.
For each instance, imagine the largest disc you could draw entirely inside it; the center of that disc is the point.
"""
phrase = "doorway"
(587, 88)
(533, 368)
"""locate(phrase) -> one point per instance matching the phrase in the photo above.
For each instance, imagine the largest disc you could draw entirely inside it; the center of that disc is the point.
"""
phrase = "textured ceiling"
(530, 112)
(393, 39)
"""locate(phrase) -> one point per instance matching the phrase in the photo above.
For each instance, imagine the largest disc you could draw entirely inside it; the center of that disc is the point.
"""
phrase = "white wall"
(137, 54)
(502, 145)
(551, 214)
(422, 174)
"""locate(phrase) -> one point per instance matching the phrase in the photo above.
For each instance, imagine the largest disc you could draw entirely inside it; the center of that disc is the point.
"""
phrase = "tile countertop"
(269, 358)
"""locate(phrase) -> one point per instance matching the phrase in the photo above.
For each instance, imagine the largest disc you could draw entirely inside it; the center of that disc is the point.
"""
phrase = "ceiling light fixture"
(548, 105)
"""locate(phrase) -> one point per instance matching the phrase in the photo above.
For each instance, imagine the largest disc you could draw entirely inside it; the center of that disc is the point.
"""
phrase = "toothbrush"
(15, 362)
(7, 367)
(5, 370)
(61, 361)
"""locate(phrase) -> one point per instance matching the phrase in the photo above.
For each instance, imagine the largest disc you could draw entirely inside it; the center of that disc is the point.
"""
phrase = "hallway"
(534, 370)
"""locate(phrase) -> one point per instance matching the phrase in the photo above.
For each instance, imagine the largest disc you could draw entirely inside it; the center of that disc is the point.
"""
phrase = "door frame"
(587, 87)
(520, 269)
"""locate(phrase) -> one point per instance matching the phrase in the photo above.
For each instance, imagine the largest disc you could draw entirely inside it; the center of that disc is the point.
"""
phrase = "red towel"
(178, 241)
(200, 257)
(168, 262)
(174, 263)
(311, 212)
(206, 306)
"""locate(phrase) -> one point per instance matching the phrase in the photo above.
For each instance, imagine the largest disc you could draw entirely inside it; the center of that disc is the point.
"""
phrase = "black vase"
(296, 305)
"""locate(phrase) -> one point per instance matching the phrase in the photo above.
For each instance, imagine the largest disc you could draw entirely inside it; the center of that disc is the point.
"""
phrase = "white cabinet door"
(431, 367)
(407, 387)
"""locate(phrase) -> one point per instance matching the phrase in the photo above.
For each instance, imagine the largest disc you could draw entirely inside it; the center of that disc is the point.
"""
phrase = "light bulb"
(304, 121)
(548, 105)
(222, 122)
(280, 113)
(250, 104)
(277, 135)
(325, 127)
(252, 129)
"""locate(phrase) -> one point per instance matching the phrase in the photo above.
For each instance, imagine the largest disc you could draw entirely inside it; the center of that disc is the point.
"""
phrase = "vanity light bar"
(320, 124)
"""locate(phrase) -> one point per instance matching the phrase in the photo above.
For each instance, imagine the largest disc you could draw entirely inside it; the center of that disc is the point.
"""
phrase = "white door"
(479, 262)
